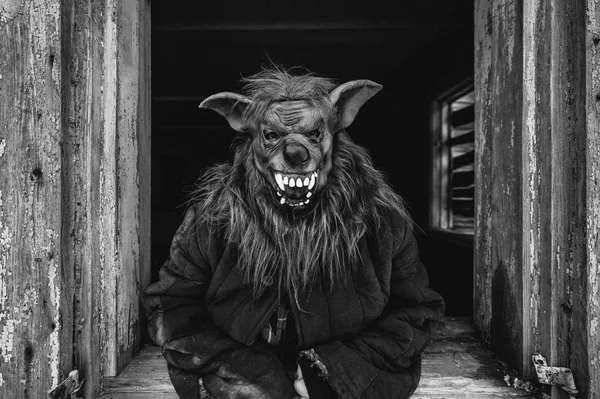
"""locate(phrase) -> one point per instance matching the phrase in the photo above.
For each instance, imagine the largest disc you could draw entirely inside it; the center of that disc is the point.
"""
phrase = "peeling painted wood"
(537, 174)
(74, 212)
(569, 275)
(559, 192)
(108, 151)
(498, 82)
(35, 289)
(592, 194)
(84, 247)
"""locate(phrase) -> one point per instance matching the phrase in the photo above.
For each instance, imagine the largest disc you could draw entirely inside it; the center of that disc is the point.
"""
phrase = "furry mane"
(293, 247)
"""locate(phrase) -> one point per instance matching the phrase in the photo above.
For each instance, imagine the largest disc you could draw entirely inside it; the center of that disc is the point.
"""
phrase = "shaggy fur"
(293, 246)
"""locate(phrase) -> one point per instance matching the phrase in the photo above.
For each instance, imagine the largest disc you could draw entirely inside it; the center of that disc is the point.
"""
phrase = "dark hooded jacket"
(364, 338)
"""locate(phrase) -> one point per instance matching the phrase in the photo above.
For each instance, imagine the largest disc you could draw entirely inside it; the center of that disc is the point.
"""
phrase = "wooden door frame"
(537, 244)
(75, 207)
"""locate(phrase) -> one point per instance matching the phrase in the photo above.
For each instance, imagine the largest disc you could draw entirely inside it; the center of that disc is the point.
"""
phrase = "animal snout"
(296, 155)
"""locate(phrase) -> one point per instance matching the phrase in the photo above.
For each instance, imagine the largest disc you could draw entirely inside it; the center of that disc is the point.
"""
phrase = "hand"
(300, 386)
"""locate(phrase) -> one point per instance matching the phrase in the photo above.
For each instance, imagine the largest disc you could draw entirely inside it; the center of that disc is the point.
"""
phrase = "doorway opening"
(414, 54)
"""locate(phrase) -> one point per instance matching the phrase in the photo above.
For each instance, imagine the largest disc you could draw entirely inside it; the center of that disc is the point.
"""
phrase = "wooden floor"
(456, 365)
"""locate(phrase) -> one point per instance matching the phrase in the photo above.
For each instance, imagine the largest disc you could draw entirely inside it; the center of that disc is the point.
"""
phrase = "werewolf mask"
(299, 194)
(292, 123)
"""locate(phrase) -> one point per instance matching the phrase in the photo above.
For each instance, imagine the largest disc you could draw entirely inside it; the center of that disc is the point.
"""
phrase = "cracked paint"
(8, 328)
(54, 288)
(593, 193)
(10, 9)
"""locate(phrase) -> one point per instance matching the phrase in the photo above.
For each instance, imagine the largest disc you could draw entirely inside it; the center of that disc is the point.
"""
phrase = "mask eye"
(270, 135)
(314, 134)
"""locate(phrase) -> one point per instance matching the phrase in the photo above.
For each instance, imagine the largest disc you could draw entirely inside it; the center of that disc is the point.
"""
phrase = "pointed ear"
(230, 105)
(349, 97)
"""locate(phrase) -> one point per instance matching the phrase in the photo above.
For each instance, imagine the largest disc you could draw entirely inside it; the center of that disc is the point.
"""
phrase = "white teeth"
(279, 180)
(278, 193)
(285, 180)
(308, 195)
(282, 201)
(292, 183)
(298, 182)
(306, 181)
(306, 202)
(312, 182)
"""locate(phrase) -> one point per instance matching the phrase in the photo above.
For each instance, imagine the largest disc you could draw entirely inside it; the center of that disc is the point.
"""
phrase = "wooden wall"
(74, 190)
(536, 272)
(36, 310)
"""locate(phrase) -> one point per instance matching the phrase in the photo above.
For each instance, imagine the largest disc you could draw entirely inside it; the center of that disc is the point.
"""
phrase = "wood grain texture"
(591, 274)
(456, 365)
(127, 244)
(558, 163)
(83, 25)
(145, 151)
(483, 271)
(124, 179)
(35, 289)
(536, 167)
(105, 215)
(72, 220)
(567, 210)
(499, 235)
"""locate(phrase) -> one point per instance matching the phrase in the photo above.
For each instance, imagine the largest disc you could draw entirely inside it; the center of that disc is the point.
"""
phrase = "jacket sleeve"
(384, 360)
(194, 347)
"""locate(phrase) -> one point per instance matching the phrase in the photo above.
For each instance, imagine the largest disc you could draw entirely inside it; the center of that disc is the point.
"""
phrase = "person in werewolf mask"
(295, 272)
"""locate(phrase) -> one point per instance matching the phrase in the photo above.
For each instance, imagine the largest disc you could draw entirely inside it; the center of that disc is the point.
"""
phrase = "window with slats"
(453, 155)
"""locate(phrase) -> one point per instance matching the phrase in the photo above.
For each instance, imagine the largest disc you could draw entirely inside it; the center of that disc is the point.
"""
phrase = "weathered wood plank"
(483, 272)
(82, 152)
(591, 275)
(567, 210)
(108, 200)
(125, 179)
(498, 82)
(35, 284)
(127, 18)
(74, 230)
(145, 151)
(558, 163)
(537, 173)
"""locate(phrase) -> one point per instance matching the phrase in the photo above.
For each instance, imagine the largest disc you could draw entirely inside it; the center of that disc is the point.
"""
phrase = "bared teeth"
(300, 182)
(279, 180)
(311, 184)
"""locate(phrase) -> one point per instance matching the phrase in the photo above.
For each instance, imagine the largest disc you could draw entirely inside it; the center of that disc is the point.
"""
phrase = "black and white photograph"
(300, 199)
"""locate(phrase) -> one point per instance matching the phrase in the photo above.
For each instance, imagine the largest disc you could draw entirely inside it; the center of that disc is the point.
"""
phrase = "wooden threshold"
(456, 365)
